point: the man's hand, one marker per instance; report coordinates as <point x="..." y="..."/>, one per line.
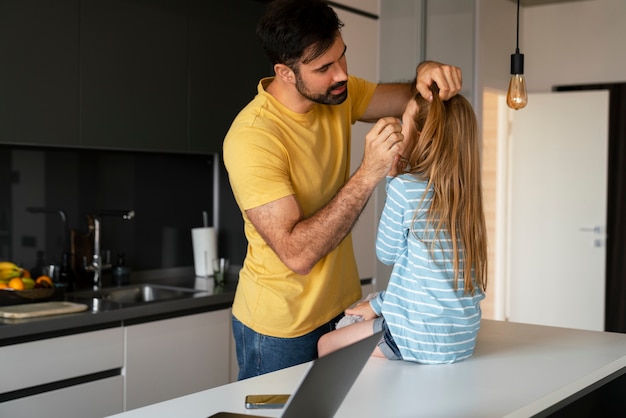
<point x="448" y="78"/>
<point x="299" y="241"/>
<point x="362" y="309"/>
<point x="383" y="143"/>
<point x="400" y="165"/>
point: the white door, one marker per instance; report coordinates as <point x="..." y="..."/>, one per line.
<point x="557" y="194"/>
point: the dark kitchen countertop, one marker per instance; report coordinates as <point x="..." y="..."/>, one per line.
<point x="105" y="315"/>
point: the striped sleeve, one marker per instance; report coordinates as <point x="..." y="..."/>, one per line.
<point x="391" y="239"/>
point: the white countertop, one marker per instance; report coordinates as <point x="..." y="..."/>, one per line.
<point x="517" y="370"/>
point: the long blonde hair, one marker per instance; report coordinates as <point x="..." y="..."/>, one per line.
<point x="447" y="155"/>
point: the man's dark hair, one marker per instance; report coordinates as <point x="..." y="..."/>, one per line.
<point x="289" y="27"/>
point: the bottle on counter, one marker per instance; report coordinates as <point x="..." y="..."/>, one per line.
<point x="66" y="274"/>
<point x="40" y="262"/>
<point x="121" y="272"/>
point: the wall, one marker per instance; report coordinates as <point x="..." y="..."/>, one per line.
<point x="566" y="43"/>
<point x="450" y="37"/>
<point x="401" y="39"/>
<point x="360" y="34"/>
<point x="401" y="50"/>
<point x="495" y="42"/>
<point x="577" y="42"/>
<point x="574" y="43"/>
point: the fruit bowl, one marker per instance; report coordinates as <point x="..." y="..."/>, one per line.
<point x="13" y="297"/>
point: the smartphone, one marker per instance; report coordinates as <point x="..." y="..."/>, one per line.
<point x="274" y="401"/>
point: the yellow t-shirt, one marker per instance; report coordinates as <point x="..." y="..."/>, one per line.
<point x="271" y="152"/>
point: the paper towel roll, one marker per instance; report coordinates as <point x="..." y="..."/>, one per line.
<point x="204" y="250"/>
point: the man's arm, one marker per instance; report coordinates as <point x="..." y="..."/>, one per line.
<point x="388" y="100"/>
<point x="301" y="242"/>
<point x="391" y="99"/>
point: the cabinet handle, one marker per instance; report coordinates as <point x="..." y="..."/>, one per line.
<point x="594" y="229"/>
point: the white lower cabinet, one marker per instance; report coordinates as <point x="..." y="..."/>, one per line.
<point x="70" y="376"/>
<point x="175" y="357"/>
<point x="105" y="372"/>
<point x="96" y="399"/>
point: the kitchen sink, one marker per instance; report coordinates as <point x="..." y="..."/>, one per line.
<point x="142" y="293"/>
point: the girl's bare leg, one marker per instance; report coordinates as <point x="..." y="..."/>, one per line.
<point x="345" y="336"/>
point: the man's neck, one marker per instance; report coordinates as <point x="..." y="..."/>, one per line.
<point x="288" y="96"/>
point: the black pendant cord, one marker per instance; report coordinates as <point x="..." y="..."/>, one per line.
<point x="517" y="59"/>
<point x="517" y="39"/>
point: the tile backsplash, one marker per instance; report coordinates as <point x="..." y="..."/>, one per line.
<point x="48" y="194"/>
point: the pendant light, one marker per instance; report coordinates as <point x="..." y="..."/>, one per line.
<point x="516" y="97"/>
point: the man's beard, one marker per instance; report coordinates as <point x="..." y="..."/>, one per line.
<point x="328" y="98"/>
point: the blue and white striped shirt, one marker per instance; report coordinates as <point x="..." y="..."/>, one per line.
<point x="430" y="321"/>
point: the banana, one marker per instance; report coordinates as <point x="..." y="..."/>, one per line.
<point x="8" y="274"/>
<point x="7" y="265"/>
<point x="9" y="270"/>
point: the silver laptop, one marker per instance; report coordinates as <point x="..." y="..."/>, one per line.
<point x="325" y="384"/>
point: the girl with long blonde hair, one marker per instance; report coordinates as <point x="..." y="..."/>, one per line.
<point x="432" y="230"/>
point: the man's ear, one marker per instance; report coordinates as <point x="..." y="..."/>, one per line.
<point x="285" y="73"/>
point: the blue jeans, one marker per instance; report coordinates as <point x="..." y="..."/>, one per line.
<point x="387" y="345"/>
<point x="259" y="354"/>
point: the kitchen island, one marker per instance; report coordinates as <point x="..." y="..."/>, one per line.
<point x="518" y="370"/>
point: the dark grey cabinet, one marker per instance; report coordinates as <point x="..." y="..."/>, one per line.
<point x="225" y="65"/>
<point x="133" y="74"/>
<point x="154" y="75"/>
<point x="39" y="66"/>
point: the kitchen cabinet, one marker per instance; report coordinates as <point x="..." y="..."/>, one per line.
<point x="104" y="372"/>
<point x="51" y="360"/>
<point x="76" y="375"/>
<point x="39" y="72"/>
<point x="226" y="62"/>
<point x="94" y="399"/>
<point x="133" y="74"/>
<point x="177" y="356"/>
<point x="162" y="75"/>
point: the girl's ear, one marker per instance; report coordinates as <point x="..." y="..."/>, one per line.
<point x="284" y="73"/>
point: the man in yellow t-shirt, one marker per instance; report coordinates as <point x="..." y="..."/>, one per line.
<point x="288" y="158"/>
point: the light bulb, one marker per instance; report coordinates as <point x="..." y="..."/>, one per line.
<point x="516" y="97"/>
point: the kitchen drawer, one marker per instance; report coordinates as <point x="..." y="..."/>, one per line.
<point x="94" y="399"/>
<point x="54" y="359"/>
<point x="175" y="357"/>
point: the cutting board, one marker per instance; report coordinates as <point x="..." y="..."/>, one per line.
<point x="32" y="310"/>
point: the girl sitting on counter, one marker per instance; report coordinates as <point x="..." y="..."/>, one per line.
<point x="430" y="311"/>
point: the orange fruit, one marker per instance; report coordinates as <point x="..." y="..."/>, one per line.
<point x="3" y="285"/>
<point x="25" y="273"/>
<point x="44" y="280"/>
<point x="16" y="283"/>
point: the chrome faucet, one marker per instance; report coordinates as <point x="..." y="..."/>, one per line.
<point x="98" y="265"/>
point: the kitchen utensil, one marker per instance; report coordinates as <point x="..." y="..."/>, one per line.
<point x="220" y="268"/>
